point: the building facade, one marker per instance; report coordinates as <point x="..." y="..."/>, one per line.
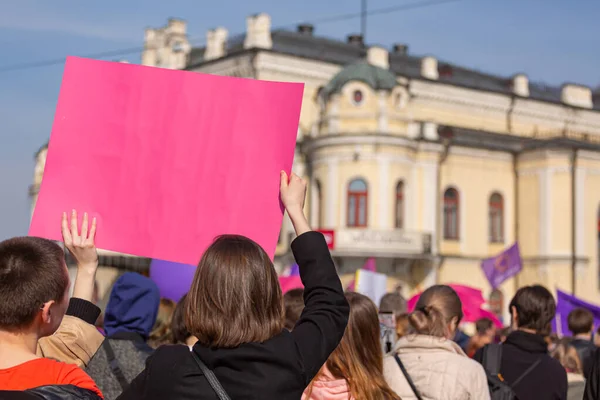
<point x="427" y="166"/>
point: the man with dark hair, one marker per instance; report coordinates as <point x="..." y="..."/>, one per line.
<point x="581" y="325"/>
<point x="485" y="333"/>
<point x="525" y="363"/>
<point x="293" y="302"/>
<point x="34" y="288"/>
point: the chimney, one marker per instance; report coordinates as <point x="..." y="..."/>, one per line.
<point x="356" y="40"/>
<point x="216" y="40"/>
<point x="401" y="49"/>
<point x="258" y="32"/>
<point x="429" y="68"/>
<point x="177" y="26"/>
<point x="520" y="85"/>
<point x="379" y="57"/>
<point x="577" y="95"/>
<point x="306" y="29"/>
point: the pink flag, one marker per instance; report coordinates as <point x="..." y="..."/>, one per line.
<point x="370" y="265"/>
<point x="167" y="160"/>
<point x="472" y="300"/>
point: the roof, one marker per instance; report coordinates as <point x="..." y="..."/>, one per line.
<point x="377" y="78"/>
<point x="339" y="52"/>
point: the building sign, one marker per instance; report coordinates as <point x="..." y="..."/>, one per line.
<point x="391" y="243"/>
<point x="329" y="238"/>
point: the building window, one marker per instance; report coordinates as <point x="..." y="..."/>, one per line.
<point x="357" y="203"/>
<point x="400" y="205"/>
<point x="496" y="218"/>
<point x="451" y="214"/>
<point x="357" y="97"/>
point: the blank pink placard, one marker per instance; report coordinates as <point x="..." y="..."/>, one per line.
<point x="167" y="160"/>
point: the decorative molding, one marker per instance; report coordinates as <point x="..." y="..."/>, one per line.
<point x="430" y="199"/>
<point x="388" y="157"/>
<point x="368" y="139"/>
<point x="301" y="68"/>
<point x="480" y="153"/>
<point x="382" y="120"/>
<point x="411" y="196"/>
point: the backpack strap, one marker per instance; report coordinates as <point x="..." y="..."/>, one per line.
<point x="115" y="367"/>
<point x="407" y="376"/>
<point x="492" y="358"/>
<point x="211" y="378"/>
<point x="527" y="371"/>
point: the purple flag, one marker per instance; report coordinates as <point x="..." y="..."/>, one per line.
<point x="565" y="303"/>
<point x="295" y="270"/>
<point x="503" y="266"/>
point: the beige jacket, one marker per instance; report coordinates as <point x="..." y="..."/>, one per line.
<point x="439" y="369"/>
<point x="74" y="342"/>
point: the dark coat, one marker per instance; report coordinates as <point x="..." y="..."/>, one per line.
<point x="592" y="384"/>
<point x="51" y="392"/>
<point x="585" y="349"/>
<point x="281" y="367"/>
<point x="548" y="381"/>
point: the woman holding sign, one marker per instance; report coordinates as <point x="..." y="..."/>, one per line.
<point x="235" y="309"/>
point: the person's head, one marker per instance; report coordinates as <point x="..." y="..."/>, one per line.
<point x="293" y="301"/>
<point x="132" y="305"/>
<point x="568" y="357"/>
<point x="359" y="358"/>
<point x="402" y="325"/>
<point x="485" y="330"/>
<point x="34" y="285"/>
<point x="235" y="297"/>
<point x="393" y="303"/>
<point x="179" y="332"/>
<point x="161" y="332"/>
<point x="581" y="321"/>
<point x="532" y="308"/>
<point x="437" y="312"/>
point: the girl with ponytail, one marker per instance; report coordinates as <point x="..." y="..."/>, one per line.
<point x="354" y="371"/>
<point x="426" y="364"/>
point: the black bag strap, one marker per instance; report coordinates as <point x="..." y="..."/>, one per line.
<point x="492" y="358"/>
<point x="527" y="371"/>
<point x="115" y="367"/>
<point x="211" y="378"/>
<point x="408" y="378"/>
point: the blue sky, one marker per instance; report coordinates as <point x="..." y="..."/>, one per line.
<point x="552" y="41"/>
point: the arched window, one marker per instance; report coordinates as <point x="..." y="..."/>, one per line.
<point x="357" y="203"/>
<point x="451" y="202"/>
<point x="496" y="218"/>
<point x="400" y="205"/>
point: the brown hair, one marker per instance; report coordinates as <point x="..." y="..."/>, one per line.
<point x="32" y="272"/>
<point x="535" y="308"/>
<point x="293" y="302"/>
<point x="235" y="296"/>
<point x="568" y="357"/>
<point x="580" y="321"/>
<point x="482" y="325"/>
<point x="161" y="332"/>
<point x="179" y="332"/>
<point x="402" y="325"/>
<point x="435" y="310"/>
<point x="358" y="358"/>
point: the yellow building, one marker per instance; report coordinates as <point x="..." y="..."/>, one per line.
<point x="425" y="165"/>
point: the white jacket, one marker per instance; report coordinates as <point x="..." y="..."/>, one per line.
<point x="439" y="369"/>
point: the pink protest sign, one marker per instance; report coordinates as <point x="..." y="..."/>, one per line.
<point x="167" y="160"/>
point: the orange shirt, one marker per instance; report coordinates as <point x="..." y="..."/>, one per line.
<point x="42" y="372"/>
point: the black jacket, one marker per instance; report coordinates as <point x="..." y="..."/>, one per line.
<point x="548" y="381"/>
<point x="592" y="383"/>
<point x="51" y="392"/>
<point x="585" y="349"/>
<point x="277" y="369"/>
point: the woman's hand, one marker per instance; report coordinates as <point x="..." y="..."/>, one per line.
<point x="293" y="195"/>
<point x="82" y="248"/>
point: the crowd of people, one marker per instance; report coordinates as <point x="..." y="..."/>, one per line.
<point x="234" y="335"/>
